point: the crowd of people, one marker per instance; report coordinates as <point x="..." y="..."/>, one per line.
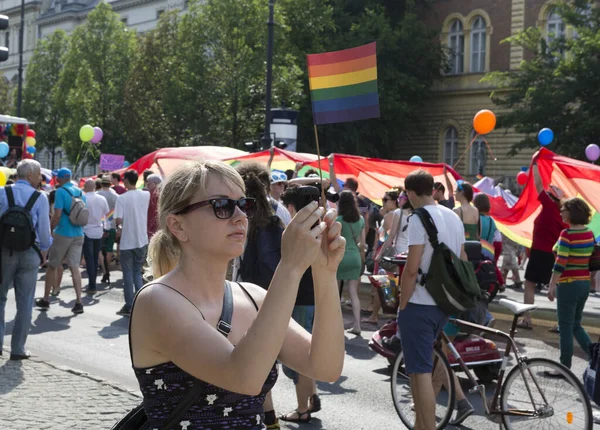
<point x="212" y="236"/>
<point x="103" y="225"/>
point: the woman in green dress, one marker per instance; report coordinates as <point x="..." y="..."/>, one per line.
<point x="349" y="270"/>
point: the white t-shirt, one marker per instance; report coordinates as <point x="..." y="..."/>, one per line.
<point x="450" y="231"/>
<point x="401" y="244"/>
<point x="98" y="209"/>
<point x="132" y="207"/>
<point x="282" y="212"/>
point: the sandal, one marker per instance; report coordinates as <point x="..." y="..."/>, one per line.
<point x="525" y="325"/>
<point x="55" y="292"/>
<point x="353" y="331"/>
<point x="314" y="404"/>
<point x="369" y="321"/>
<point x="301" y="417"/>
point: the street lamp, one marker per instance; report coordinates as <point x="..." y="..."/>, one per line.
<point x="266" y="138"/>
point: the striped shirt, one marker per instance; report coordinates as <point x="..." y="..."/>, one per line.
<point x="573" y="251"/>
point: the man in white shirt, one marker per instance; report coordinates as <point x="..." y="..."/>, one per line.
<point x="131" y="213"/>
<point x="93" y="231"/>
<point x="420" y="320"/>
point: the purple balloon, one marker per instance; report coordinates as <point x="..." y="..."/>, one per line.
<point x="98" y="134"/>
<point x="592" y="152"/>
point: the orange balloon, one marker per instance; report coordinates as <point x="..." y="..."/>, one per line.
<point x="484" y="121"/>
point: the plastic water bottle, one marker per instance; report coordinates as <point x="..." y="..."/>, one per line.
<point x="381" y="271"/>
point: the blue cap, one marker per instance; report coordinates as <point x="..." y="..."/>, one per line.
<point x="63" y="173"/>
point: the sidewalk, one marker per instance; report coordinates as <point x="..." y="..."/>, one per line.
<point x="38" y="395"/>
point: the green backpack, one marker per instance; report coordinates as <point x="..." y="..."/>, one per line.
<point x="450" y="281"/>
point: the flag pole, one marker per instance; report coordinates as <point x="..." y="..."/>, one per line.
<point x="323" y="198"/>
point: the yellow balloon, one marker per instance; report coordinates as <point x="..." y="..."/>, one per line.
<point x="86" y="133"/>
<point x="30" y="141"/>
<point x="2" y="179"/>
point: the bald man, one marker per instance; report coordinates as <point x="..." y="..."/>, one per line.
<point x="93" y="231"/>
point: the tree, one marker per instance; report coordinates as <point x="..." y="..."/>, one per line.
<point x="558" y="87"/>
<point x="5" y="95"/>
<point x="40" y="103"/>
<point x="155" y="104"/>
<point x="409" y="60"/>
<point x="92" y="83"/>
<point x="235" y="38"/>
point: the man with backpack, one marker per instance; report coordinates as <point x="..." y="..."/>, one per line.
<point x="70" y="215"/>
<point x="420" y="317"/>
<point x="25" y="237"/>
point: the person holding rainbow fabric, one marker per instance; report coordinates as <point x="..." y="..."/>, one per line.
<point x="570" y="282"/>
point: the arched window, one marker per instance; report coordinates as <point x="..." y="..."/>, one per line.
<point x="456" y="43"/>
<point x="478" y="45"/>
<point x="478" y="156"/>
<point x="555" y="28"/>
<point x="450" y="146"/>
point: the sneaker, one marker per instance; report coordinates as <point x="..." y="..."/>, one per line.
<point x="77" y="309"/>
<point x="463" y="411"/>
<point x="42" y="304"/>
<point x="124" y="311"/>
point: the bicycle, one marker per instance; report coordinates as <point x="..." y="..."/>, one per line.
<point x="515" y="405"/>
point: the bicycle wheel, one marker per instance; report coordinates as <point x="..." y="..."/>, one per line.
<point x="566" y="404"/>
<point x="443" y="386"/>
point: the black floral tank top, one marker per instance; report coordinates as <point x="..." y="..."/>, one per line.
<point x="164" y="386"/>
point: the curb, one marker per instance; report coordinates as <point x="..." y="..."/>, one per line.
<point x="82" y="374"/>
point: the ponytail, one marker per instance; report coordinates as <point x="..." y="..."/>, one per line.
<point x="163" y="254"/>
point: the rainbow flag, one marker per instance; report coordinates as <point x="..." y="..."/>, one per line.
<point x="110" y="216"/>
<point x="343" y="85"/>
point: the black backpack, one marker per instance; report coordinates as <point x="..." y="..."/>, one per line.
<point x="17" y="232"/>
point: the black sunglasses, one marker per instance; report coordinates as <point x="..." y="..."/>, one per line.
<point x="224" y="208"/>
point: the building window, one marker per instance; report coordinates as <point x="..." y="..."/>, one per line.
<point x="159" y="13"/>
<point x="555" y="28"/>
<point x="478" y="155"/>
<point x="456" y="43"/>
<point x="124" y="21"/>
<point x="478" y="45"/>
<point x="450" y="146"/>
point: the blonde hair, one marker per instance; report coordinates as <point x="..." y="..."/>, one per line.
<point x="175" y="194"/>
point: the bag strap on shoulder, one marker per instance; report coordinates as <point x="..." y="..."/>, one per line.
<point x="224" y="327"/>
<point x="429" y="225"/>
<point x="36" y="194"/>
<point x="10" y="196"/>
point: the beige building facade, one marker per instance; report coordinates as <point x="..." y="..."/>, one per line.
<point x="473" y="30"/>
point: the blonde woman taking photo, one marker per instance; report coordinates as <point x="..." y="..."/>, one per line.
<point x="203" y="220"/>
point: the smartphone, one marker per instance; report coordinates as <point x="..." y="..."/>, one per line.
<point x="307" y="194"/>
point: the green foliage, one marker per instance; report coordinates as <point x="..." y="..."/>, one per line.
<point x="199" y="77"/>
<point x="5" y="96"/>
<point x="92" y="83"/>
<point x="40" y="89"/>
<point x="557" y="88"/>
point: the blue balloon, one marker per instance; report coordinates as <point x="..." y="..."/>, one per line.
<point x="4" y="149"/>
<point x="126" y="164"/>
<point x="545" y="136"/>
<point x="31" y="149"/>
<point x="416" y="159"/>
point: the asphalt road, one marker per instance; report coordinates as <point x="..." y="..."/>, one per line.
<point x="96" y="342"/>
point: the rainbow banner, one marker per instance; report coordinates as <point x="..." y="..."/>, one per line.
<point x="343" y="85"/>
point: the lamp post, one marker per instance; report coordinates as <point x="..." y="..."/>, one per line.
<point x="266" y="138"/>
<point x="21" y="37"/>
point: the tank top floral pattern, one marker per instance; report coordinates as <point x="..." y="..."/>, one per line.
<point x="164" y="386"/>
